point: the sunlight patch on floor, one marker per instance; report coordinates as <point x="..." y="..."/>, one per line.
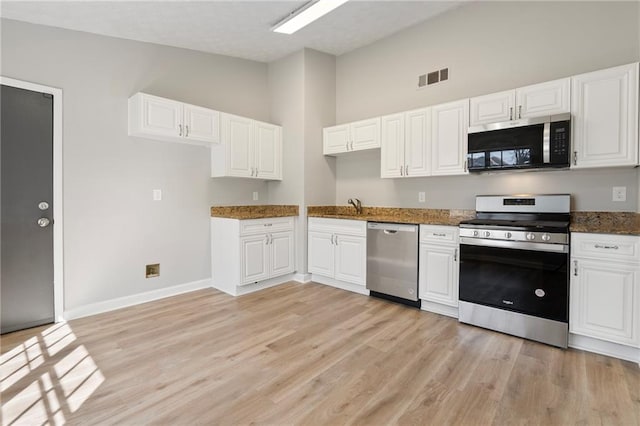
<point x="37" y="393"/>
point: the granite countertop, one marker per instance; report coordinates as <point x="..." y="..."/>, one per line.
<point x="393" y="214"/>
<point x="254" y="212"/>
<point x="623" y="223"/>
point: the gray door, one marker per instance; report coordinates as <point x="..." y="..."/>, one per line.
<point x="26" y="142"/>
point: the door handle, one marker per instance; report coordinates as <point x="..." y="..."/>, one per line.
<point x="43" y="222"/>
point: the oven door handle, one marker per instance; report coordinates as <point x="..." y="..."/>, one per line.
<point x="518" y="245"/>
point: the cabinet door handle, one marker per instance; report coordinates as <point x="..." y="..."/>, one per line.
<point x="331" y="239"/>
<point x="257" y="172"/>
<point x="401" y="170"/>
<point x="336" y="240"/>
<point x="266" y="242"/>
<point x="466" y="167"/>
<point x="437" y="234"/>
<point x="575" y="158"/>
<point x="606" y="247"/>
<point x="519" y="111"/>
<point x="455" y="255"/>
<point x="406" y="170"/>
<point x="510" y="113"/>
<point x="179" y="129"/>
<point x="575" y="268"/>
<point x="186" y="131"/>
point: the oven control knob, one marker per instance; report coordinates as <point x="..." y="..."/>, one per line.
<point x="546" y="237"/>
<point x="475" y="233"/>
<point x="530" y="236"/>
<point x="487" y="233"/>
<point x="508" y="235"/>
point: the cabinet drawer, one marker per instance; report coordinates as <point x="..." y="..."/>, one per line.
<point x="338" y="226"/>
<point x="260" y="226"/>
<point x="623" y="248"/>
<point x="439" y="234"/>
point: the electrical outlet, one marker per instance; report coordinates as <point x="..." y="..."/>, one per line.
<point x="255" y="196"/>
<point x="152" y="270"/>
<point x="421" y="197"/>
<point x="157" y="195"/>
<point x="619" y="193"/>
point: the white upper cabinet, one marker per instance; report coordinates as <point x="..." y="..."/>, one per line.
<point x="493" y="108"/>
<point x="248" y="148"/>
<point x="158" y="118"/>
<point x="268" y="151"/>
<point x="449" y="125"/>
<point x="356" y="136"/>
<point x="549" y="98"/>
<point x="405" y="144"/>
<point x="201" y="124"/>
<point x="605" y="117"/>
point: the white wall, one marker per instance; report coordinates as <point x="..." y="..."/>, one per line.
<point x="488" y="47"/>
<point x="112" y="226"/>
<point x="302" y="87"/>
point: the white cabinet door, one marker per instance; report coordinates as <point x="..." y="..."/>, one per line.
<point x="336" y="139"/>
<point x="365" y="134"/>
<point x="161" y="117"/>
<point x="320" y="253"/>
<point x="201" y="124"/>
<point x="438" y="274"/>
<point x="282" y="253"/>
<point x="417" y="145"/>
<point x="493" y="108"/>
<point x="449" y="125"/>
<point x="237" y="134"/>
<point x="605" y="301"/>
<point x="350" y="259"/>
<point x="254" y="259"/>
<point x="268" y="151"/>
<point x="549" y="98"/>
<point x="604" y="105"/>
<point x="392" y="145"/>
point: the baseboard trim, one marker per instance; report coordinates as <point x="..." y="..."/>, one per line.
<point x="602" y="347"/>
<point x="439" y="308"/>
<point x="302" y="278"/>
<point x="272" y="282"/>
<point x="135" y="299"/>
<point x="339" y="284"/>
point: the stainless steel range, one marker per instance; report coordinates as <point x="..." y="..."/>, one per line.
<point x="514" y="274"/>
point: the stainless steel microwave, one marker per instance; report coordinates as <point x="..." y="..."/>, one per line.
<point x="531" y="143"/>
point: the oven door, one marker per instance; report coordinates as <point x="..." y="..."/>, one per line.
<point x="529" y="278"/>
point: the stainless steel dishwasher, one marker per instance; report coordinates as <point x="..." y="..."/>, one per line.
<point x="392" y="262"/>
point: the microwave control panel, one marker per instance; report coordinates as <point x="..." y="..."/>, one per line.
<point x="560" y="142"/>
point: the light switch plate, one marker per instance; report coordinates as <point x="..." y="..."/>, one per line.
<point x="421" y="197"/>
<point x="255" y="196"/>
<point x="619" y="193"/>
<point x="157" y="195"/>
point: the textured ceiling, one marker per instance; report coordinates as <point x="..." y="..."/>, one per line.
<point x="233" y="28"/>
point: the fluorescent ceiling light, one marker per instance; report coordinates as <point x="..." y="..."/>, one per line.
<point x="305" y="15"/>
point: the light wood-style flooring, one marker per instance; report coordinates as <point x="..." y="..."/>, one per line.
<point x="303" y="354"/>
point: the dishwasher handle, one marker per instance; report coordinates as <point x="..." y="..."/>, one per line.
<point x="390" y="231"/>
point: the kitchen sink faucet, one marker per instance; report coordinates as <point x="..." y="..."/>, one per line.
<point x="356" y="204"/>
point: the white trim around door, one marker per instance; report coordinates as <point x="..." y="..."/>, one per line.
<point x="58" y="246"/>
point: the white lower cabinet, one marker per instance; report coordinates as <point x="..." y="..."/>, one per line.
<point x="337" y="251"/>
<point x="605" y="294"/>
<point x="255" y="253"/>
<point x="438" y="269"/>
